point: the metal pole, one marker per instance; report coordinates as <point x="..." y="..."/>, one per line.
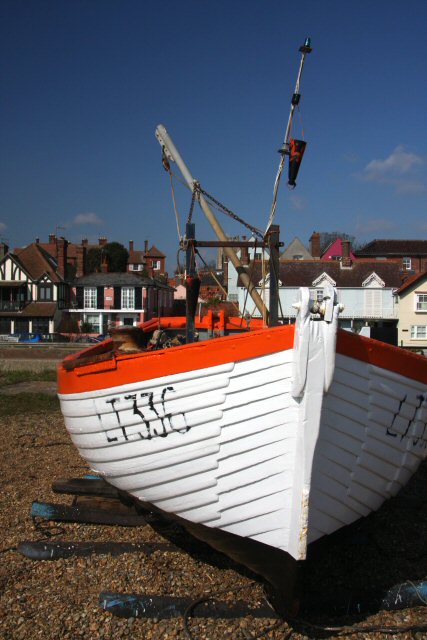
<point x="284" y="150"/>
<point x="305" y="48"/>
<point x="173" y="154"/>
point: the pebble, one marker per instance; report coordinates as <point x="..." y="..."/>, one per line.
<point x="59" y="599"/>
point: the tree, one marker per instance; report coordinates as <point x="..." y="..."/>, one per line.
<point x="117" y="256"/>
<point x="115" y="253"/>
<point x="328" y="237"/>
<point x="93" y="260"/>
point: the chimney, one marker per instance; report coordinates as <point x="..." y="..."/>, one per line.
<point x="130" y="245"/>
<point x="37" y="240"/>
<point x="244" y="254"/>
<point x="85" y="242"/>
<point x="315" y="245"/>
<point x="104" y="265"/>
<point x="61" y="256"/>
<point x="102" y="242"/>
<point x="80" y="260"/>
<point x="345" y="252"/>
<point x="146" y="246"/>
<point x="4" y="249"/>
<point x="52" y="238"/>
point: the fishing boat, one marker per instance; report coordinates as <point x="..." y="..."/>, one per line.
<point x="260" y="440"/>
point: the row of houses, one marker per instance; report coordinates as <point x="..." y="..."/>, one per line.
<point x="383" y="287"/>
<point x="44" y="289"/>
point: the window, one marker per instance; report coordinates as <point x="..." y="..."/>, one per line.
<point x="373" y="303"/>
<point x="421" y="302"/>
<point x="93" y="320"/>
<point x="41" y="325"/>
<point x="316" y="295"/>
<point x="128" y="298"/>
<point x="406" y="263"/>
<point x="418" y="331"/>
<point x="136" y="267"/>
<point x="297" y="256"/>
<point x="45" y="292"/>
<point x="90" y="297"/>
<point x="155" y="264"/>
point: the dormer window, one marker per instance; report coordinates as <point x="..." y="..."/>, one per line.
<point x="406" y="263"/>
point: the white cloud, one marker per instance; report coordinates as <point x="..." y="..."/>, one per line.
<point x="87" y="218"/>
<point x="398" y="162"/>
<point x="398" y="170"/>
<point x="3" y="226"/>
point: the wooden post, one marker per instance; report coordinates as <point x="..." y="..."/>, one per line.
<point x="273" y="244"/>
<point x="190" y="272"/>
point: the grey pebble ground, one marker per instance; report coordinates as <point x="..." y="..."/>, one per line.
<point x="58" y="599"/>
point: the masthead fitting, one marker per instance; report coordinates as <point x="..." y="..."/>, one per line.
<point x="306" y="47"/>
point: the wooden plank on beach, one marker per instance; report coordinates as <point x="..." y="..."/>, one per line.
<point x="131" y="605"/>
<point x="86" y="515"/>
<point x="84" y="487"/>
<point x="40" y="550"/>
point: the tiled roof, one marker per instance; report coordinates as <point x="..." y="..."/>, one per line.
<point x="302" y="273"/>
<point x="155" y="253"/>
<point x="33" y="310"/>
<point x="118" y="279"/>
<point x="393" y="247"/>
<point x="36" y="262"/>
<point x="413" y="280"/>
<point x="39" y="309"/>
<point x="136" y="257"/>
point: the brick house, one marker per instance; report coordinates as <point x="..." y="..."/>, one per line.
<point x="410" y="255"/>
<point x="33" y="289"/>
<point x="151" y="260"/>
<point x="106" y="300"/>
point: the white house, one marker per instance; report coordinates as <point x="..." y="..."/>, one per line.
<point x="412" y="298"/>
<point x="365" y="289"/>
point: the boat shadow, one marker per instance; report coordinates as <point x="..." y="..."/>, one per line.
<point x="351" y="572"/>
<point x="356" y="570"/>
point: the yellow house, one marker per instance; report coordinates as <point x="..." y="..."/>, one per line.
<point x="412" y="324"/>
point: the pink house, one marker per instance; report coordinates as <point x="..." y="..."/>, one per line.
<point x="338" y="250"/>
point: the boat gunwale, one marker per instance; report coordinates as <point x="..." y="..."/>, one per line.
<point x="126" y="368"/>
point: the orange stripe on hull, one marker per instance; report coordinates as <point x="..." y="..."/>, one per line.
<point x="382" y="355"/>
<point x="126" y="369"/>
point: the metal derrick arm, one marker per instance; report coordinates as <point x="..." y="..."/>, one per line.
<point x="173" y="154"/>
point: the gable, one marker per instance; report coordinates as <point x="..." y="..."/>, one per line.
<point x="374" y="281"/>
<point x="296" y="251"/>
<point x="11" y="270"/>
<point x="323" y="280"/>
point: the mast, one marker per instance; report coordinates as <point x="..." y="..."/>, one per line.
<point x="173" y="154"/>
<point x="284" y="150"/>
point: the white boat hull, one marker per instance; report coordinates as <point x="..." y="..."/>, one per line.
<point x="231" y="447"/>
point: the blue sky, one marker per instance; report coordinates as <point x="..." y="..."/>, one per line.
<point x="85" y="82"/>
